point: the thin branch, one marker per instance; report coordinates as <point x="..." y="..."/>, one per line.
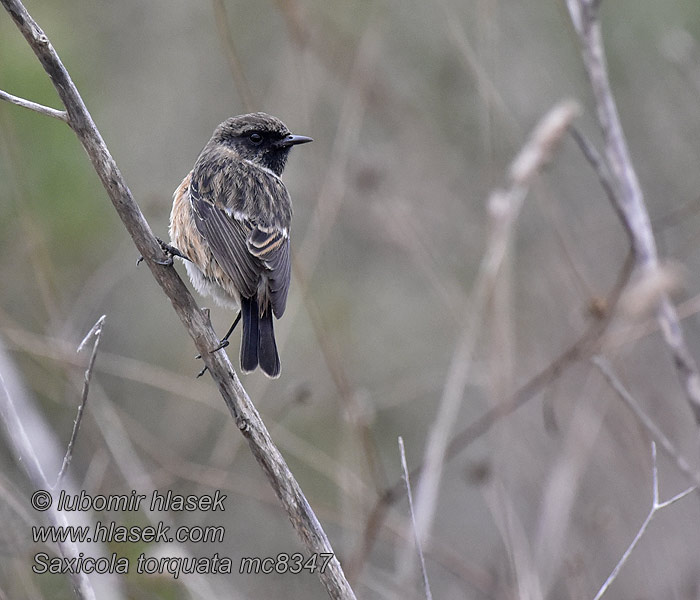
<point x="195" y="320"/>
<point x="96" y="331"/>
<point x="596" y="161"/>
<point x="629" y="200"/>
<point x="655" y="506"/>
<point x="652" y="428"/>
<point x="419" y="547"/>
<point x="61" y="115"/>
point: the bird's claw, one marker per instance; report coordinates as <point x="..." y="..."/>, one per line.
<point x="171" y="251"/>
<point x="222" y="344"/>
<point x="168" y="250"/>
<point x="165" y="262"/>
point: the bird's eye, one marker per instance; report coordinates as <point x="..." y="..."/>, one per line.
<point x="256" y="138"/>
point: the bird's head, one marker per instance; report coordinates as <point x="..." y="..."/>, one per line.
<point x="259" y="138"/>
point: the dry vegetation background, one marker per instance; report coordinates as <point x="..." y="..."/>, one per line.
<point x="416" y="109"/>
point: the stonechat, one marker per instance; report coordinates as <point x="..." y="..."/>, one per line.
<point x="230" y="222"/>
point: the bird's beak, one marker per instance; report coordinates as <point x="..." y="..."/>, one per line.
<point x="293" y="140"/>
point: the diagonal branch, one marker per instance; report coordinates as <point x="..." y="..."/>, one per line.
<point x="629" y="198"/>
<point x="196" y="321"/>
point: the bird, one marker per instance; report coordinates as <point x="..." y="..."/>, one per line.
<point x="230" y="222"/>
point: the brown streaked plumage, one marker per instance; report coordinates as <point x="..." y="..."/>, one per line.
<point x="230" y="219"/>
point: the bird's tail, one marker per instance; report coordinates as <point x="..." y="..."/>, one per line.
<point x="258" y="345"/>
<point x="249" y="339"/>
<point x="267" y="348"/>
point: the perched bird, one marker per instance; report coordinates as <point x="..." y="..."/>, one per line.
<point x="230" y="222"/>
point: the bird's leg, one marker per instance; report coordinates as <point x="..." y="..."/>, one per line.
<point x="222" y="344"/>
<point x="224" y="340"/>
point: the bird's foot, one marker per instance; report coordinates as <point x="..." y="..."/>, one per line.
<point x="169" y="251"/>
<point x="221" y="345"/>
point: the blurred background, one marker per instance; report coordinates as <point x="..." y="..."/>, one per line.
<point x="416" y="110"/>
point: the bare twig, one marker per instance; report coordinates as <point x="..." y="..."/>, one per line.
<point x="61" y="115"/>
<point x="596" y="161"/>
<point x="419" y="547"/>
<point x="195" y="320"/>
<point x="655" y="506"/>
<point x="504" y="206"/>
<point x="95" y="332"/>
<point x="629" y="200"/>
<point x="652" y="428"/>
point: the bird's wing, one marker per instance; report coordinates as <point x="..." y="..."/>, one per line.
<point x="271" y="246"/>
<point x="245" y="250"/>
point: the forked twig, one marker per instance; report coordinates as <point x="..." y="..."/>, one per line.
<point x="655" y="506"/>
<point x="95" y="332"/>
